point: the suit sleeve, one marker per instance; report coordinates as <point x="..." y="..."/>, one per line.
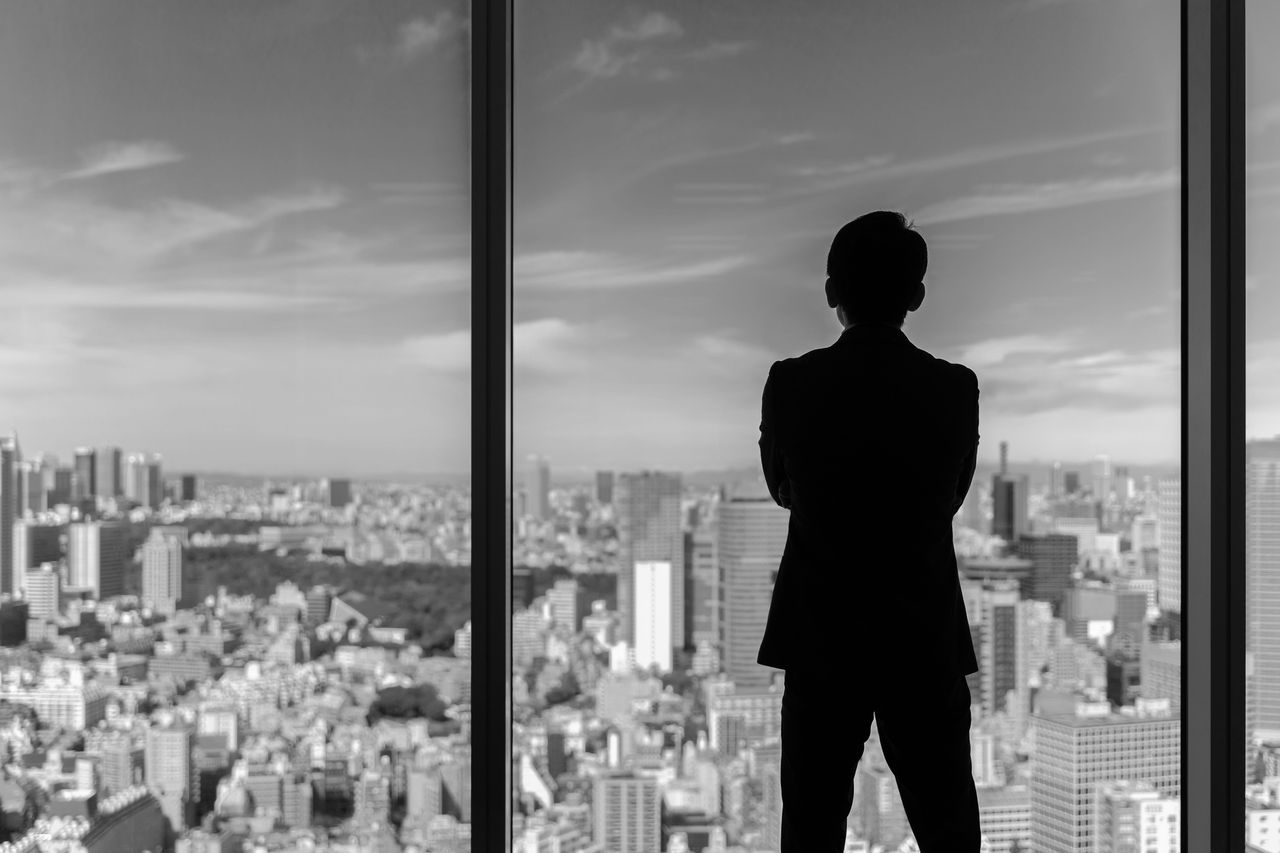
<point x="970" y="425"/>
<point x="771" y="461"/>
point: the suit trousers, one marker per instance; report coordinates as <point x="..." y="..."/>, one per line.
<point x="924" y="733"/>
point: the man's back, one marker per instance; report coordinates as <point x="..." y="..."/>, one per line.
<point x="870" y="442"/>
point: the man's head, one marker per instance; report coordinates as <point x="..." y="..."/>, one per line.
<point x="875" y="269"/>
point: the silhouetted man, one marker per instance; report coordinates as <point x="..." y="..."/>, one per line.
<point x="871" y="443"/>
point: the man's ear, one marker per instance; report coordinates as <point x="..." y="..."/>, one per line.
<point x="917" y="298"/>
<point x="831" y="294"/>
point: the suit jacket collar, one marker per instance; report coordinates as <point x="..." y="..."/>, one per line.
<point x="878" y="334"/>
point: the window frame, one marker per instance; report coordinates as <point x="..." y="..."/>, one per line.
<point x="1212" y="443"/>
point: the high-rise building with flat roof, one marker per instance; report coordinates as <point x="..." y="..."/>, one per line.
<point x="604" y="487"/>
<point x="187" y="489"/>
<point x="1169" y="535"/>
<point x="537" y="486"/>
<point x="1053" y="559"/>
<point x="84" y="485"/>
<point x="107" y="472"/>
<point x="34" y="545"/>
<point x="162" y="572"/>
<point x="627" y="812"/>
<point x="10" y="458"/>
<point x="96" y="557"/>
<point x="1077" y="753"/>
<point x="169" y="772"/>
<point x="752" y="533"/>
<point x="702" y="592"/>
<point x="1262" y="598"/>
<point x="996" y="622"/>
<point x="647" y="505"/>
<point x="1133" y="817"/>
<point x="42" y="588"/>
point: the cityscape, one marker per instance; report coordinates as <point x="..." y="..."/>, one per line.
<point x="196" y="663"/>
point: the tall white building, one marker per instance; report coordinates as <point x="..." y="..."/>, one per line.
<point x="567" y="603"/>
<point x="998" y="620"/>
<point x="653" y="643"/>
<point x="1134" y="818"/>
<point x="95" y="557"/>
<point x="1262" y="598"/>
<point x="752" y="533"/>
<point x="169" y="774"/>
<point x="647" y="512"/>
<point x="1076" y="753"/>
<point x="42" y="588"/>
<point x="627" y="814"/>
<point x="1169" y="561"/>
<point x="162" y="572"/>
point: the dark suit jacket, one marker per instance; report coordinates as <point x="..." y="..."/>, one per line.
<point x="871" y="443"/>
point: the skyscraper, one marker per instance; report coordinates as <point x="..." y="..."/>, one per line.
<point x="1262" y="601"/>
<point x="162" y="572"/>
<point x="144" y="479"/>
<point x="1169" y="561"/>
<point x="41" y="587"/>
<point x="188" y="493"/>
<point x="1133" y="816"/>
<point x="1008" y="500"/>
<point x="654" y="639"/>
<point x="95" y="558"/>
<point x="1077" y="753"/>
<point x="604" y="487"/>
<point x="702" y="599"/>
<point x="84" y="484"/>
<point x="568" y="603"/>
<point x="1103" y="477"/>
<point x="337" y="492"/>
<point x="169" y="772"/>
<point x="106" y="472"/>
<point x="627" y="813"/>
<point x="538" y="486"/>
<point x="34" y="545"/>
<point x="1053" y="559"/>
<point x="752" y="535"/>
<point x="10" y="456"/>
<point x="647" y="507"/>
<point x="996" y="618"/>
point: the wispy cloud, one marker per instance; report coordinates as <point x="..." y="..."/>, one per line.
<point x="885" y="167"/>
<point x="577" y="270"/>
<point x="547" y="345"/>
<point x="419" y="36"/>
<point x="623" y="47"/>
<point x="997" y="350"/>
<point x="715" y="50"/>
<point x="1004" y="199"/>
<point x="114" y="157"/>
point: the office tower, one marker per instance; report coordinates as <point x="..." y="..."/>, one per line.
<point x="162" y="572"/>
<point x="63" y="486"/>
<point x="107" y="472"/>
<point x="95" y="557"/>
<point x="537" y="485"/>
<point x="13" y="622"/>
<point x="1005" y="817"/>
<point x="703" y="605"/>
<point x="169" y="772"/>
<point x="1160" y="671"/>
<point x="33" y="495"/>
<point x="1071" y="482"/>
<point x="647" y="508"/>
<point x="1169" y="522"/>
<point x="1262" y="598"/>
<point x="188" y="488"/>
<point x="1055" y="480"/>
<point x="1134" y="818"/>
<point x="1103" y="478"/>
<point x="1009" y="500"/>
<point x="1124" y="671"/>
<point x="84" y="484"/>
<point x="424" y="794"/>
<point x="751" y="537"/>
<point x="627" y="813"/>
<point x="34" y="545"/>
<point x="654" y="637"/>
<point x="144" y="479"/>
<point x="568" y="603"/>
<point x="155" y="482"/>
<point x="41" y="588"/>
<point x="1053" y="559"/>
<point x="10" y="456"/>
<point x="337" y="493"/>
<point x="604" y="487"/>
<point x="996" y="619"/>
<point x="1076" y="753"/>
<point x="372" y="799"/>
<point x="455" y="782"/>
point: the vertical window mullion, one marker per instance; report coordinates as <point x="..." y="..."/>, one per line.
<point x="491" y="364"/>
<point x="1213" y="433"/>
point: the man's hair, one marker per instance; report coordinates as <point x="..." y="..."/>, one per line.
<point x="876" y="263"/>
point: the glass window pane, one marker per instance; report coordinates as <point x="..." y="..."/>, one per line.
<point x="680" y="174"/>
<point x="1262" y="424"/>
<point x="235" y="384"/>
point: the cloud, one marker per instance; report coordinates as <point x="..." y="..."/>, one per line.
<point x="1004" y="199"/>
<point x="113" y="157"/>
<point x="576" y="270"/>
<point x="623" y="48"/>
<point x="884" y="167"/>
<point x="544" y="346"/>
<point x="419" y="36"/>
<point x="996" y="350"/>
<point x="715" y="50"/>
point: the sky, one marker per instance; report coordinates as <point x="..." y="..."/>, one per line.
<point x="236" y="233"/>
